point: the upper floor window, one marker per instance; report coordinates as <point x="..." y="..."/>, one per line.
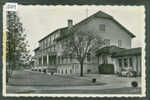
<point x="107" y="42"/>
<point x="102" y="27"/>
<point x="54" y="48"/>
<point x="119" y="43"/>
<point x="50" y="40"/>
<point x="40" y="45"/>
<point x="43" y="44"/>
<point x="46" y="43"/>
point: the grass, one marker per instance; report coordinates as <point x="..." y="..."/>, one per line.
<point x="32" y="82"/>
<point x="26" y="78"/>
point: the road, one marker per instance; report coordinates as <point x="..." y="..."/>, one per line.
<point x="34" y="82"/>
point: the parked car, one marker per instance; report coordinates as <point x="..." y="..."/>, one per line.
<point x="128" y="73"/>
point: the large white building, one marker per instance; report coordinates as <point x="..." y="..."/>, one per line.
<point x="117" y="50"/>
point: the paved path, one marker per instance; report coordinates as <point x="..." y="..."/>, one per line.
<point x="33" y="82"/>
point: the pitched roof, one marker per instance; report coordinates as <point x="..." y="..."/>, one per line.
<point x="98" y="14"/>
<point x="109" y="50"/>
<point x="128" y="52"/>
<point x="60" y="29"/>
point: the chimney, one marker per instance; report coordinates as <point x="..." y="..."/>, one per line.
<point x="70" y="23"/>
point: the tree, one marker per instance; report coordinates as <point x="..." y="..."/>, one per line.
<point x="81" y="43"/>
<point x="16" y="44"/>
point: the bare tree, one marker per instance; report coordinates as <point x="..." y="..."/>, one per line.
<point x="79" y="44"/>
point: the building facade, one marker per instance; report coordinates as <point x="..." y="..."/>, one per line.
<point x="49" y="57"/>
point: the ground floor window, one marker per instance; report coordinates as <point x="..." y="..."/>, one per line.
<point x="58" y="71"/>
<point x="104" y="59"/>
<point x="40" y="61"/>
<point x="44" y="60"/>
<point x="120" y="62"/>
<point x="58" y="58"/>
<point x="130" y="62"/>
<point x="125" y="62"/>
<point x="70" y="71"/>
<point x="89" y="71"/>
<point x="88" y="57"/>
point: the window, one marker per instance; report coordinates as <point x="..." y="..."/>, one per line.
<point x="107" y="42"/>
<point x="130" y="62"/>
<point x="66" y="71"/>
<point x="104" y="58"/>
<point x="54" y="48"/>
<point x="50" y="40"/>
<point x="120" y="62"/>
<point x="70" y="71"/>
<point x="102" y="27"/>
<point x="47" y="42"/>
<point x="89" y="71"/>
<point x="54" y="60"/>
<point x="44" y="60"/>
<point x="88" y="57"/>
<point x="62" y="59"/>
<point x="50" y="60"/>
<point x="40" y="61"/>
<point x="70" y="58"/>
<point x="58" y="62"/>
<point x="125" y="62"/>
<point x="119" y="43"/>
<point x="62" y="71"/>
<point x="44" y="44"/>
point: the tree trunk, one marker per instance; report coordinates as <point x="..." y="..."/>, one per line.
<point x="81" y="66"/>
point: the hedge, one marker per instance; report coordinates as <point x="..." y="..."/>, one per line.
<point x="106" y="69"/>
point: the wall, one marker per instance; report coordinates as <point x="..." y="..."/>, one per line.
<point x="136" y="63"/>
<point x="75" y="68"/>
<point x="113" y="31"/>
<point x="110" y="61"/>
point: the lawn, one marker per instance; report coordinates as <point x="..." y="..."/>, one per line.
<point x="34" y="82"/>
<point x="27" y="78"/>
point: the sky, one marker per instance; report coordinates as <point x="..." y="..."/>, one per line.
<point x="40" y="21"/>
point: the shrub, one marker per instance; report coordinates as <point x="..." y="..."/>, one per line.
<point x="93" y="80"/>
<point x="106" y="69"/>
<point x="134" y="84"/>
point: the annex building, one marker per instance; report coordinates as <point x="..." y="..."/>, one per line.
<point x="116" y="52"/>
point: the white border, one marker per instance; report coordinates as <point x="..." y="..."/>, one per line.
<point x="143" y="82"/>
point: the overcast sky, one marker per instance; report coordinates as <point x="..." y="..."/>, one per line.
<point x="39" y="21"/>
